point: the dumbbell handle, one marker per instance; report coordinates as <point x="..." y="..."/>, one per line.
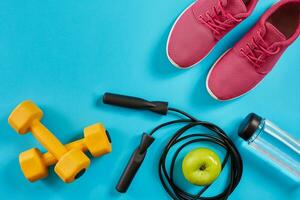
<point x="49" y="159"/>
<point x="47" y="139"/>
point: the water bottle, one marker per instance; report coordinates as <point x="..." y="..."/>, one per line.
<point x="272" y="144"/>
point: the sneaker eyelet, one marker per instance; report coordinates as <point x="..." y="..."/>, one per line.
<point x="207" y="14"/>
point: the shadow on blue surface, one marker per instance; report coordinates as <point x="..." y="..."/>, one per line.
<point x="160" y="64"/>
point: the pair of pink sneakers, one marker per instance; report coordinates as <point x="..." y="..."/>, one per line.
<point x="241" y="68"/>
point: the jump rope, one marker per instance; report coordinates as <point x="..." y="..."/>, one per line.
<point x="181" y="139"/>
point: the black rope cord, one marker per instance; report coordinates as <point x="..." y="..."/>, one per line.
<point x="218" y="137"/>
<point x="215" y="136"/>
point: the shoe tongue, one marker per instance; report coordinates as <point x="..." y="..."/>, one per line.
<point x="235" y="7"/>
<point x="273" y="35"/>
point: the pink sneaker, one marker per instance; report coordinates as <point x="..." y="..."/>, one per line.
<point x="241" y="68"/>
<point x="201" y="26"/>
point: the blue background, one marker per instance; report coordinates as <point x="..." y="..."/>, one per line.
<point x="64" y="55"/>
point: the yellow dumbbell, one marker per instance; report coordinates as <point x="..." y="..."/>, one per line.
<point x="71" y="163"/>
<point x="34" y="164"/>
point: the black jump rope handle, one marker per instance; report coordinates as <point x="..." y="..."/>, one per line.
<point x="134" y="163"/>
<point x="139" y="154"/>
<point x="159" y="107"/>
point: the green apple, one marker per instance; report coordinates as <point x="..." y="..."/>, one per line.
<point x="201" y="166"/>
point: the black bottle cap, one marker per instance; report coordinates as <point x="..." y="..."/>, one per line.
<point x="249" y="125"/>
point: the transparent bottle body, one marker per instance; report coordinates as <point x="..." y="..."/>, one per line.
<point x="278" y="148"/>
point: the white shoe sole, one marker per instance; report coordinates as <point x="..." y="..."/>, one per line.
<point x="167" y="47"/>
<point x="209" y="90"/>
<point x="208" y="76"/>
